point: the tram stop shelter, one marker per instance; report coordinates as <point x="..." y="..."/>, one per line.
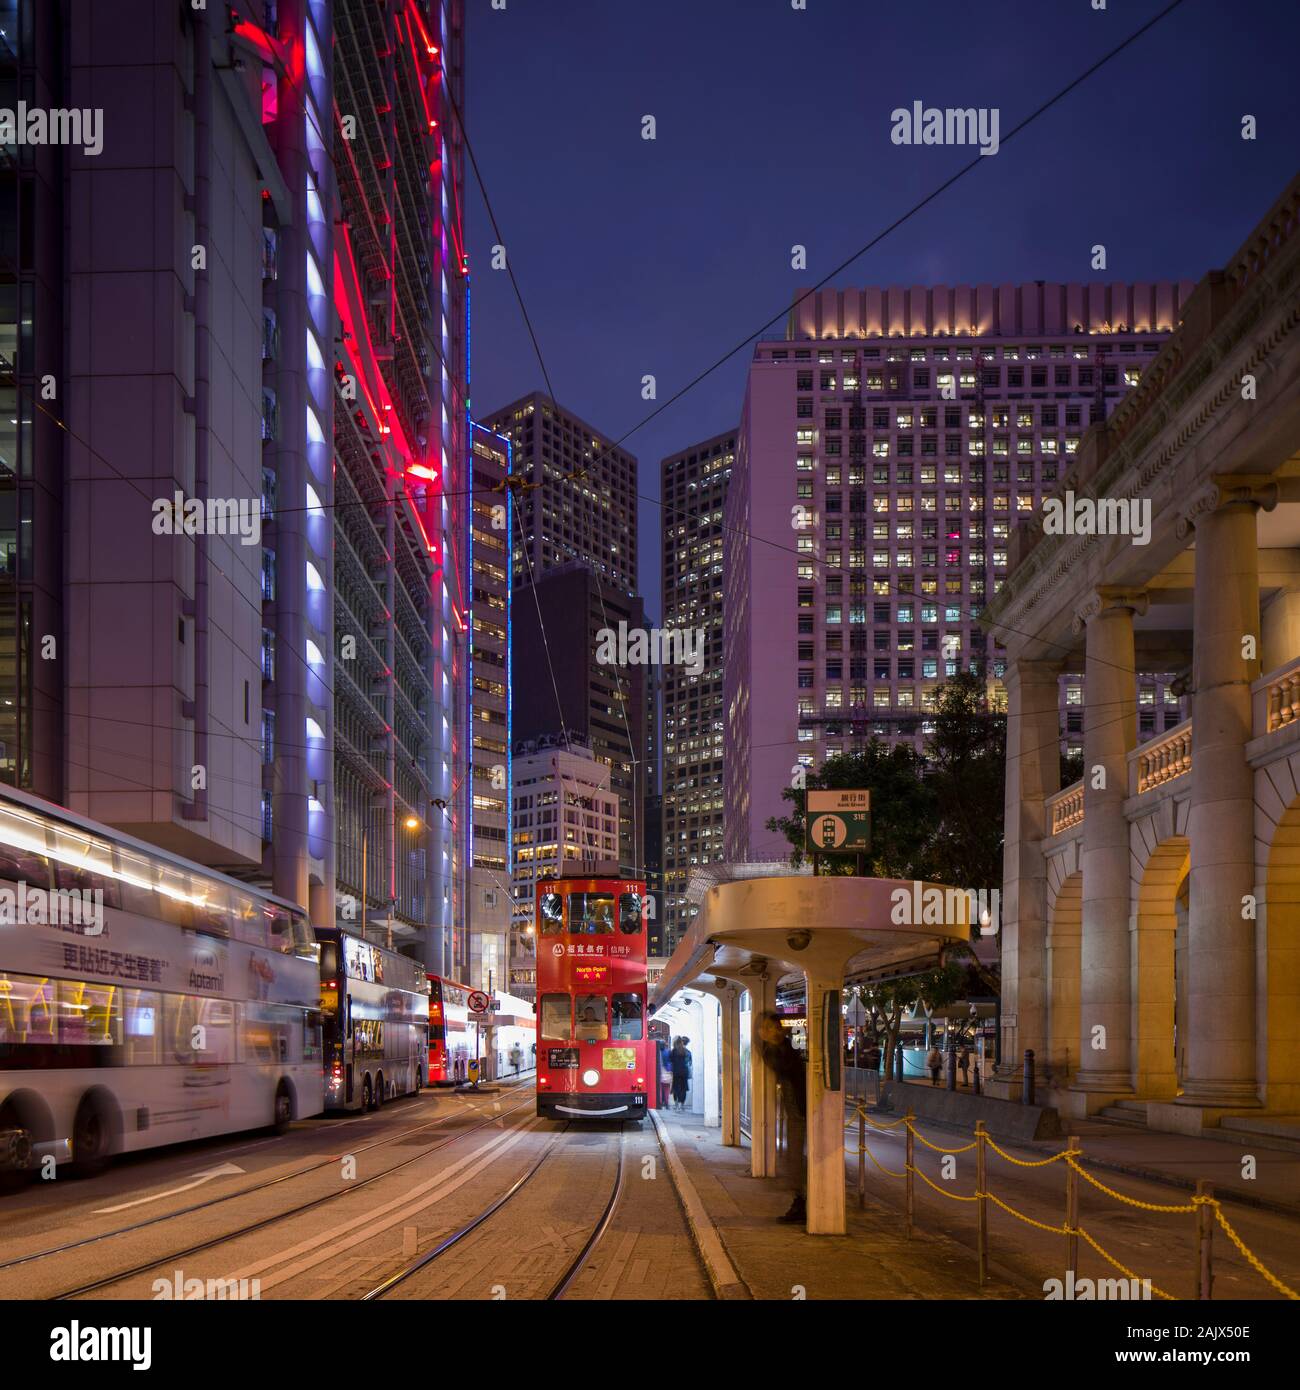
<point x="761" y="924"/>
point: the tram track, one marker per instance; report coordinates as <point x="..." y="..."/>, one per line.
<point x="574" y="1267"/>
<point x="251" y="1228"/>
<point x="209" y="1202"/>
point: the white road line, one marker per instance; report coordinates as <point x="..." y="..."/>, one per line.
<point x="401" y="1208"/>
<point x="225" y="1171"/>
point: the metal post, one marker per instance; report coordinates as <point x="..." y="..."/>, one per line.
<point x="950" y="1058"/>
<point x="1204" y="1242"/>
<point x="982" y="1206"/>
<point x="1027" y="1089"/>
<point x="1072" y="1210"/>
<point x="911" y="1180"/>
<point x="862" y="1157"/>
<point x="976" y="1060"/>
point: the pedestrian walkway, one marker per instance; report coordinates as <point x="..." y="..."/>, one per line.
<point x="1178" y="1160"/>
<point x="776" y="1261"/>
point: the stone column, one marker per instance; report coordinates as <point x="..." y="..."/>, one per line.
<point x="1109" y="733"/>
<point x="1033" y="774"/>
<point x="1221" y="942"/>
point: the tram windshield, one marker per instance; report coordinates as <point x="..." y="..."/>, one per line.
<point x="591" y="1017"/>
<point x="591" y="913"/>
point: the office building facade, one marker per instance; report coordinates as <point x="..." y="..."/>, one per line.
<point x="887" y="447"/>
<point x="694" y="492"/>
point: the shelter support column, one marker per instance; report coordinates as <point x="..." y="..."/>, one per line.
<point x="729" y="999"/>
<point x="1221" y="1040"/>
<point x="825" y="1121"/>
<point x="762" y="1109"/>
<point x="1109" y="733"/>
<point x="1033" y="774"/>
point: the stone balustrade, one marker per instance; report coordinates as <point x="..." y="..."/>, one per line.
<point x="1065" y="809"/>
<point x="1162" y="759"/>
<point x="1281" y="699"/>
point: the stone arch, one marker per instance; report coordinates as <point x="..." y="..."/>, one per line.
<point x="1277" y="939"/>
<point x="1064" y="963"/>
<point x="1161" y="862"/>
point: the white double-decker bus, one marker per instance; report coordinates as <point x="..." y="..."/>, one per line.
<point x="144" y="1000"/>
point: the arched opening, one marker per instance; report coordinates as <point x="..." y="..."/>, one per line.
<point x="1154" y="938"/>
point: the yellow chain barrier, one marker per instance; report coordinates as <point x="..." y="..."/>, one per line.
<point x="1123" y="1269"/>
<point x="1030" y="1163"/>
<point x="952" y="1196"/>
<point x="1071" y="1157"/>
<point x="889" y="1172"/>
<point x="1248" y="1255"/>
<point x="965" y="1148"/>
<point x="1130" y="1201"/>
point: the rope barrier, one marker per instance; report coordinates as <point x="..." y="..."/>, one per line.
<point x="1130" y="1201"/>
<point x="1071" y="1157"/>
<point x="1123" y="1269"/>
<point x="887" y="1171"/>
<point x="1247" y="1254"/>
<point x="952" y="1196"/>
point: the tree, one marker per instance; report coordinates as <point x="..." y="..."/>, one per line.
<point x="890" y="999"/>
<point x="902" y="807"/>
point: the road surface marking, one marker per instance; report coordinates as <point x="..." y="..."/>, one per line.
<point x="226" y="1170"/>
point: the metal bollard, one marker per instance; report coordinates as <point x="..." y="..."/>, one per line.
<point x="1027" y="1090"/>
<point x="862" y="1158"/>
<point x="1071" y="1210"/>
<point x="909" y="1201"/>
<point x="978" y="1091"/>
<point x="1204" y="1242"/>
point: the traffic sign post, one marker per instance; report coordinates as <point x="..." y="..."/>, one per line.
<point x="479" y="1003"/>
<point x="837" y="822"/>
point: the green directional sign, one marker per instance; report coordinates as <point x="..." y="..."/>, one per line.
<point x="838" y="822"/>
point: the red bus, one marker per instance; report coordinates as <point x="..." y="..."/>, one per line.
<point x="451" y="1036"/>
<point x="594" y="1059"/>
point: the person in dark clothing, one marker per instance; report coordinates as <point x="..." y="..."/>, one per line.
<point x="791" y="1073"/>
<point x="679" y="1062"/>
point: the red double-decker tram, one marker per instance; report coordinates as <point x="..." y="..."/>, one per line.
<point x="594" y="1059"/>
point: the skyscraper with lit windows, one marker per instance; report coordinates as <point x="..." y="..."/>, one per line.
<point x="887" y="446"/>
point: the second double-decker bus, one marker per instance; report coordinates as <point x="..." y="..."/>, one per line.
<point x="449" y="1032"/>
<point x="594" y="1060"/>
<point x="375" y="1016"/>
<point x="144" y="999"/>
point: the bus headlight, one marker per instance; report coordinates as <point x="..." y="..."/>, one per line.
<point x="590" y="1077"/>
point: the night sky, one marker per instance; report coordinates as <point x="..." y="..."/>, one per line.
<point x="773" y="128"/>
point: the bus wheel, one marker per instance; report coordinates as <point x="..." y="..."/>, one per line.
<point x="379" y="1092"/>
<point x="89" y="1139"/>
<point x="283" y="1109"/>
<point x="367" y="1094"/>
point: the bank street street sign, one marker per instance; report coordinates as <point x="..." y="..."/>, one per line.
<point x="838" y="822"/>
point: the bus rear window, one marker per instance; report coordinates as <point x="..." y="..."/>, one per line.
<point x="556" y="1017"/>
<point x="591" y="913"/>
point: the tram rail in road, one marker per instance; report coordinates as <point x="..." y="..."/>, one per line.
<point x="142" y="1268"/>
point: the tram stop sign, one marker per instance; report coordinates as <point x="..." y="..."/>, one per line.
<point x="838" y="822"/>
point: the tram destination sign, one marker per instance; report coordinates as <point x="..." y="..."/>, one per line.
<point x="562" y="1057"/>
<point x="838" y="822"/>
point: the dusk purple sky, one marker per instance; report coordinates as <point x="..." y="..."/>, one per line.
<point x="773" y="128"/>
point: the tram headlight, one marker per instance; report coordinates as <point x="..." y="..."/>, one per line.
<point x="590" y="1077"/>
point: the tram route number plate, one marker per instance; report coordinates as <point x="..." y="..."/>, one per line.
<point x="561" y="1056"/>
